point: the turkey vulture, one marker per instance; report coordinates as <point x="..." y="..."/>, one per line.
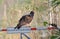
<point x="26" y="19"/>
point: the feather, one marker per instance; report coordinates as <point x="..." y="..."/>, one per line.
<point x="26" y="19"/>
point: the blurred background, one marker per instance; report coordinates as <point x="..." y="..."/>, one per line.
<point x="12" y="10"/>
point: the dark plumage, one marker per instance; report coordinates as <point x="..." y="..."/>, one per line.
<point x="26" y="19"/>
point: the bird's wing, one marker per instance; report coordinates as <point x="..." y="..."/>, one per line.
<point x="25" y="20"/>
<point x="22" y="18"/>
<point x="21" y="22"/>
<point x="28" y="18"/>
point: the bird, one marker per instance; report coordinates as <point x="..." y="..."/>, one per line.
<point x="24" y="20"/>
<point x="55" y="26"/>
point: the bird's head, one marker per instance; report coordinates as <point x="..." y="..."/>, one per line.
<point x="32" y="13"/>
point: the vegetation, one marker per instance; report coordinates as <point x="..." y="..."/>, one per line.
<point x="56" y="36"/>
<point x="54" y="4"/>
<point x="14" y="9"/>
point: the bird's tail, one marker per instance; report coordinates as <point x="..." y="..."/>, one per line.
<point x="18" y="27"/>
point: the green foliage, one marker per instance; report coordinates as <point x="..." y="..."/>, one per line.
<point x="45" y="23"/>
<point x="28" y="1"/>
<point x="58" y="33"/>
<point x="55" y="3"/>
<point x="40" y="8"/>
<point x="1" y="1"/>
<point x="56" y="36"/>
